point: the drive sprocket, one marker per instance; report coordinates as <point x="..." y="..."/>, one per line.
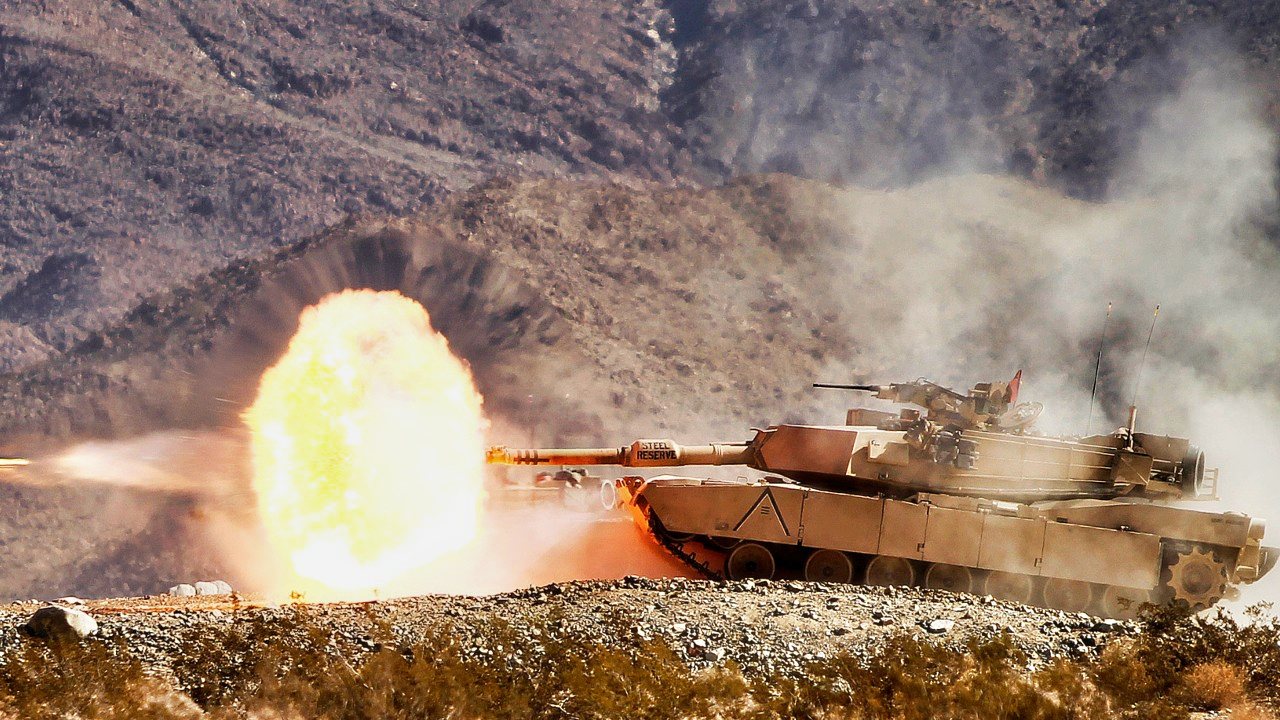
<point x="1197" y="578"/>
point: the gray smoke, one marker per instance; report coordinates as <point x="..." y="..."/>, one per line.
<point x="970" y="277"/>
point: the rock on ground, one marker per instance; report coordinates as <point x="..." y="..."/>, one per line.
<point x="57" y="622"/>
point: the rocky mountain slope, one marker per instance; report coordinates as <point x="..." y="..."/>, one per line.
<point x="144" y="142"/>
<point x="143" y="135"/>
<point x="887" y="92"/>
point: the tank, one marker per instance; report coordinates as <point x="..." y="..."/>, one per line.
<point x="956" y="493"/>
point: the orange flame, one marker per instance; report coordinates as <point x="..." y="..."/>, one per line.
<point x="367" y="445"/>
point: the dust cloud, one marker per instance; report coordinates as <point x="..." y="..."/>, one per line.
<point x="968" y="278"/>
<point x="526" y="541"/>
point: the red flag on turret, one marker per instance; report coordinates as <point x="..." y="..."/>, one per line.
<point x="1014" y="384"/>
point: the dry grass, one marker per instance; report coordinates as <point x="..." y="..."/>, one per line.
<point x="1213" y="685"/>
<point x="1174" y="644"/>
<point x="291" y="669"/>
<point x="95" y="680"/>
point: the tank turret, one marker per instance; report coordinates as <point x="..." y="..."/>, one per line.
<point x="959" y="448"/>
<point x="960" y="496"/>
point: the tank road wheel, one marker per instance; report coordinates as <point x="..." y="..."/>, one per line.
<point x="1122" y="603"/>
<point x="724" y="543"/>
<point x="828" y="566"/>
<point x="1197" y="578"/>
<point x="1014" y="587"/>
<point x="884" y="570"/>
<point x="954" y="578"/>
<point x="1067" y="595"/>
<point x="750" y="560"/>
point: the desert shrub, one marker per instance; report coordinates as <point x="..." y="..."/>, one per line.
<point x="1171" y="644"/>
<point x="910" y="679"/>
<point x="1072" y="689"/>
<point x="226" y="663"/>
<point x="1122" y="674"/>
<point x="293" y="667"/>
<point x="499" y="674"/>
<point x="604" y="683"/>
<point x="1155" y="675"/>
<point x="1213" y="685"/>
<point x="95" y="680"/>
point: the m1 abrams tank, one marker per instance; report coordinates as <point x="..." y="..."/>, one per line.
<point x="961" y="497"/>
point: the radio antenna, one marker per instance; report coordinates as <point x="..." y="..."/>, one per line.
<point x="1097" y="370"/>
<point x="1137" y="379"/>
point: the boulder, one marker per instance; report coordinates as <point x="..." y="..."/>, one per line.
<point x="182" y="590"/>
<point x="63" y="623"/>
<point x="940" y="627"/>
<point x="207" y="588"/>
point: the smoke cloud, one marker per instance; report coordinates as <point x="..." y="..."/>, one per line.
<point x="970" y="277"/>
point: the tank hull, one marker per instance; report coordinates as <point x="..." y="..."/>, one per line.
<point x="1102" y="556"/>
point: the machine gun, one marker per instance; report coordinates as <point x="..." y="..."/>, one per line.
<point x="988" y="406"/>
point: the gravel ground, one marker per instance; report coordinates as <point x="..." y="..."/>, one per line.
<point x="765" y="627"/>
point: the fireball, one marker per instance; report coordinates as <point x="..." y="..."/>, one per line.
<point x="367" y="446"/>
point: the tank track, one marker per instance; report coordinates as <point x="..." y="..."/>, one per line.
<point x="677" y="549"/>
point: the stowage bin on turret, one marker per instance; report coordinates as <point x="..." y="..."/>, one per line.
<point x="955" y="495"/>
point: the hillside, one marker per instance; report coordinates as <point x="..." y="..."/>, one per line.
<point x="146" y="142"/>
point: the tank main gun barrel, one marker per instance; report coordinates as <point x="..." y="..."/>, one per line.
<point x="838" y="386"/>
<point x="641" y="453"/>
